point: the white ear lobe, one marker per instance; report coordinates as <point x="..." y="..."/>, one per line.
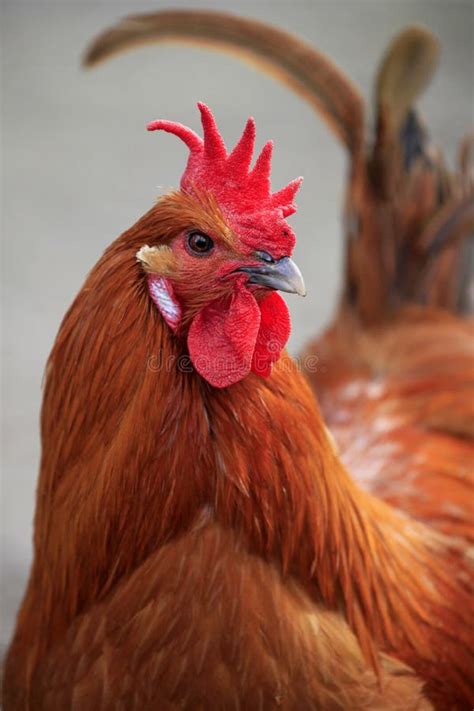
<point x="162" y="294"/>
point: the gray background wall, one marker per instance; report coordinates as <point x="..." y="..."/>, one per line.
<point x="78" y="168"/>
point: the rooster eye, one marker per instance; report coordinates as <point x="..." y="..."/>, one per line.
<point x="199" y="243"/>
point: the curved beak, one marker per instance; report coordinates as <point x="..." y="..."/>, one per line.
<point x="281" y="275"/>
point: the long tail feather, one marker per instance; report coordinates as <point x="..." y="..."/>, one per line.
<point x="307" y="71"/>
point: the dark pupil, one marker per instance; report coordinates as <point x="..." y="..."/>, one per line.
<point x="200" y="242"/>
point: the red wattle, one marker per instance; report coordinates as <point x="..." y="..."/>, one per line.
<point x="222" y="338"/>
<point x="275" y="327"/>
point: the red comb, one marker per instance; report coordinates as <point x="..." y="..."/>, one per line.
<point x="241" y="192"/>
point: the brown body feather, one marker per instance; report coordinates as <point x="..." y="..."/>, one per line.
<point x="131" y="466"/>
<point x="202" y="624"/>
<point x="399" y="400"/>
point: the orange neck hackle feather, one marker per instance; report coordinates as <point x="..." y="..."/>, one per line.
<point x="143" y="446"/>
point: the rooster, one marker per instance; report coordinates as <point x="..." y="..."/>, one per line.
<point x="395" y="377"/>
<point x="199" y="542"/>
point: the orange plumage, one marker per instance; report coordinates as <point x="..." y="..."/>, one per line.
<point x="198" y="547"/>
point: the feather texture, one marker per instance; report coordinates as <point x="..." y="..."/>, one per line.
<point x="129" y="467"/>
<point x="199" y="547"/>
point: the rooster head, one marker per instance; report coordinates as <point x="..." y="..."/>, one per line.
<point x="223" y="251"/>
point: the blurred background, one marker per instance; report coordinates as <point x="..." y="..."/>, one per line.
<point x="78" y="168"/>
